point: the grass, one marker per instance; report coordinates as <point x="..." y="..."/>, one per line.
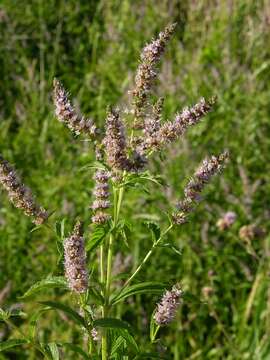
<point x="219" y="48"/>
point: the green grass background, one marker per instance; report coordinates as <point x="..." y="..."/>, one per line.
<point x="220" y="48"/>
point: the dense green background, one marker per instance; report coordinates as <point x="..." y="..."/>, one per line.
<point x="220" y="47"/>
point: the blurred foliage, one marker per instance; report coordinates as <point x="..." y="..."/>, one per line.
<point x="220" y="47"/>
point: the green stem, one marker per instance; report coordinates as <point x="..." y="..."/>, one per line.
<point x="147" y="256"/>
<point x="102" y="280"/>
<point x="155" y="333"/>
<point x="117" y="198"/>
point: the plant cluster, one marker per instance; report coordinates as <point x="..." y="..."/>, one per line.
<point x="122" y="151"/>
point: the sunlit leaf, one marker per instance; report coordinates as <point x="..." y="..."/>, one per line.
<point x="67" y="310"/>
<point x="4" y="345"/>
<point x="96" y="238"/>
<point x="149" y="287"/>
<point x="48" y="283"/>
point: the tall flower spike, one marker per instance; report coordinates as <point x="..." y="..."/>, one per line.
<point x="67" y="114"/>
<point x="115" y="145"/>
<point x="171" y="130"/>
<point x="19" y="194"/>
<point x="195" y="186"/>
<point x="146" y="73"/>
<point x="115" y="141"/>
<point x="167" y="308"/>
<point x="153" y="123"/>
<point x="75" y="261"/>
<point x="101" y="192"/>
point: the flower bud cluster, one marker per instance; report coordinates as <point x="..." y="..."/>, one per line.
<point x="146" y="73"/>
<point x="116" y="147"/>
<point x="153" y="123"/>
<point x="75" y="261"/>
<point x="172" y="130"/>
<point x="101" y="192"/>
<point x="66" y="113"/>
<point x="195" y="186"/>
<point x="226" y="221"/>
<point x="20" y="195"/>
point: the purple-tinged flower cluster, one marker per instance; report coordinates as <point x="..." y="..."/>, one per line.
<point x="66" y="113"/>
<point x="95" y="335"/>
<point x="20" y="195"/>
<point x="101" y="192"/>
<point x="153" y="123"/>
<point x="226" y="221"/>
<point x="75" y="261"/>
<point x="146" y="73"/>
<point x="167" y="307"/>
<point x="116" y="147"/>
<point x="171" y="130"/>
<point x="115" y="141"/>
<point x="195" y="186"/>
<point x="250" y="232"/>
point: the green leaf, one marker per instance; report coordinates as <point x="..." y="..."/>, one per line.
<point x="111" y="323"/>
<point x="97" y="236"/>
<point x="49" y="282"/>
<point x="119" y="342"/>
<point x="33" y="322"/>
<point x="96" y="295"/>
<point x="129" y="339"/>
<point x="153" y="329"/>
<point x="155" y="229"/>
<point x="60" y="228"/>
<point x="4" y="345"/>
<point x="142" y="288"/>
<point x="54" y="352"/>
<point x="76" y="349"/>
<point x="171" y="247"/>
<point x="67" y="310"/>
<point x="5" y="315"/>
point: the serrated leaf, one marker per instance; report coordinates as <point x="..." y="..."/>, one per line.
<point x="142" y="288"/>
<point x="97" y="236"/>
<point x="33" y="322"/>
<point x="96" y="295"/>
<point x="111" y="323"/>
<point x="171" y="247"/>
<point x="4" y="315"/>
<point x="54" y="352"/>
<point x="120" y="341"/>
<point x="155" y="229"/>
<point x="4" y="345"/>
<point x="59" y="228"/>
<point x="48" y="283"/>
<point x="67" y="310"/>
<point x="129" y="339"/>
